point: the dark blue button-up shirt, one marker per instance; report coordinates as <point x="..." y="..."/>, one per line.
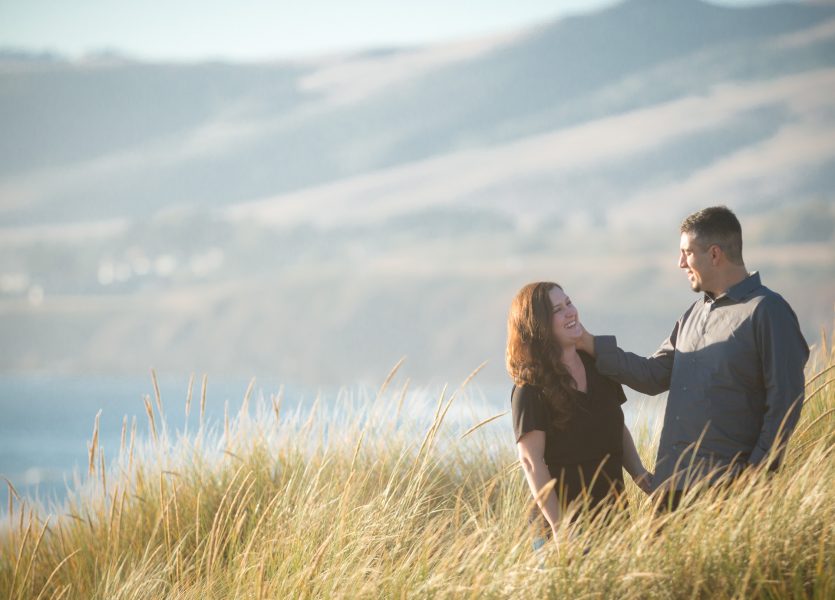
<point x="733" y="366"/>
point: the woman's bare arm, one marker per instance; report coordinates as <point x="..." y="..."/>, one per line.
<point x="632" y="463"/>
<point x="531" y="448"/>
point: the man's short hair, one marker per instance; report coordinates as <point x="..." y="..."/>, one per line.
<point x="716" y="225"/>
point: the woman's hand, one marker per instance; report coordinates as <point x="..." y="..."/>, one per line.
<point x="644" y="481"/>
<point x="563" y="533"/>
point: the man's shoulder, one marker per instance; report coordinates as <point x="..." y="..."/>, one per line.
<point x="771" y="312"/>
<point x="766" y="300"/>
<point x="759" y="293"/>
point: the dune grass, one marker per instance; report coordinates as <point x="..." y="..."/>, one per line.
<point x="364" y="505"/>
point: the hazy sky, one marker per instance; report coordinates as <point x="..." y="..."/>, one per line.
<point x="253" y="29"/>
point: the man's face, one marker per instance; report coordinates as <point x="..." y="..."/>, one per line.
<point x="697" y="263"/>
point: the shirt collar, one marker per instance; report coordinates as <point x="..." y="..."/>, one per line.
<point x="740" y="290"/>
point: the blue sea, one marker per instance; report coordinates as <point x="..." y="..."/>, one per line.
<point x="46" y="422"/>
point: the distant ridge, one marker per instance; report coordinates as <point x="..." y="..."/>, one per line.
<point x="22" y="55"/>
<point x="317" y="219"/>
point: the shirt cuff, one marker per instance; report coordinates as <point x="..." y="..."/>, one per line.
<point x="604" y="344"/>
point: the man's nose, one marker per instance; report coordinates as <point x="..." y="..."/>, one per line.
<point x="682" y="262"/>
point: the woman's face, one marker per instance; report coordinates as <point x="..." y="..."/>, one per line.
<point x="565" y="322"/>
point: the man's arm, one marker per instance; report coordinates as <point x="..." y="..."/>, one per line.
<point x="783" y="353"/>
<point x="648" y="375"/>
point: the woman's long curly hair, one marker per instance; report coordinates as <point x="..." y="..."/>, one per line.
<point x="533" y="355"/>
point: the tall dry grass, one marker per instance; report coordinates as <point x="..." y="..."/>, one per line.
<point x="366" y="506"/>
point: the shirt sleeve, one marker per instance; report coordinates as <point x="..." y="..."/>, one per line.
<point x="648" y="375"/>
<point x="528" y="411"/>
<point x="619" y="393"/>
<point x="783" y="353"/>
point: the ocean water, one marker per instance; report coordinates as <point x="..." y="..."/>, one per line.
<point x="46" y="422"/>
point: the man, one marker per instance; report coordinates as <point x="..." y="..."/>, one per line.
<point x="733" y="364"/>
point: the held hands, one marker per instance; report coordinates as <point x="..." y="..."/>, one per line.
<point x="562" y="534"/>
<point x="644" y="481"/>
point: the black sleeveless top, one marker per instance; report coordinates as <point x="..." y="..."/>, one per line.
<point x="586" y="455"/>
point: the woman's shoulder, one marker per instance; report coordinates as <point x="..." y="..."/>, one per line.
<point x="525" y="393"/>
<point x="601" y="384"/>
<point x="528" y="411"/>
<point x="589" y="362"/>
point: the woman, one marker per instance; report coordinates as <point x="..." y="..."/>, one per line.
<point x="566" y="416"/>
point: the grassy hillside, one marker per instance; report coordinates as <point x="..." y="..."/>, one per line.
<point x="367" y="505"/>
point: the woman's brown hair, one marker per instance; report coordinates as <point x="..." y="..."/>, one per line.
<point x="533" y="355"/>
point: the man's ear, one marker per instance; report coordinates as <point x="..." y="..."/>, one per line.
<point x="716" y="253"/>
